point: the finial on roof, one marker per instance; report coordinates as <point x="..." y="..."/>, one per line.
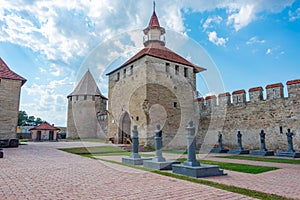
<point x="153" y="5"/>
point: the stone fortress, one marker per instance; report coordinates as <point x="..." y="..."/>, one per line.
<point x="230" y="113"/>
<point x="87" y="116"/>
<point x="10" y="89"/>
<point x="159" y="86"/>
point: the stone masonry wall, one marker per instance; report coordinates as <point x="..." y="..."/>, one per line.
<point x="274" y="115"/>
<point x="9" y="101"/>
<point x="153" y="93"/>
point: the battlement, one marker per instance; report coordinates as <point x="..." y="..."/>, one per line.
<point x="238" y="97"/>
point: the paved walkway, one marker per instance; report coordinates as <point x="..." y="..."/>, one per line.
<point x="284" y="181"/>
<point x="39" y="171"/>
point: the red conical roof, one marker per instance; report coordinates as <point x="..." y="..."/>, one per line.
<point x="6" y="73"/>
<point x="154" y="21"/>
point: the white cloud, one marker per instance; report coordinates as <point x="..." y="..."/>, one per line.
<point x="294" y="15"/>
<point x="255" y="40"/>
<point x="243" y="17"/>
<point x="210" y="20"/>
<point x="269" y="51"/>
<point x="60" y="32"/>
<point x="213" y="37"/>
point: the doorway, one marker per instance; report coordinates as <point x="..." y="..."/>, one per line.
<point x="125" y="129"/>
<point x="38" y="136"/>
<point x="51" y="135"/>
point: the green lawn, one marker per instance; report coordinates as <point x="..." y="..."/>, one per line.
<point x="94" y="150"/>
<point x="100" y="151"/>
<point x="106" y="150"/>
<point x="251" y="169"/>
<point x="238" y="190"/>
<point x="263" y="159"/>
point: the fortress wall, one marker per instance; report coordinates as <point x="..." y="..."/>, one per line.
<point x="9" y="101"/>
<point x="275" y="114"/>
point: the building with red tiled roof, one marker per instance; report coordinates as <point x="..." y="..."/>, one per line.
<point x="6" y="73"/>
<point x="10" y="89"/>
<point x="156" y="83"/>
<point x="44" y="132"/>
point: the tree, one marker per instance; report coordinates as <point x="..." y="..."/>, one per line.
<point x="22" y="118"/>
<point x="25" y="120"/>
<point x="38" y="121"/>
<point x="31" y="121"/>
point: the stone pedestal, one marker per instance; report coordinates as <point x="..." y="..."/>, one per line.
<point x="1" y="153"/>
<point x="134" y="161"/>
<point x="159" y="162"/>
<point x="263" y="150"/>
<point x="198" y="171"/>
<point x="262" y="153"/>
<point x="240" y="149"/>
<point x="134" y="158"/>
<point x="191" y="167"/>
<point x="164" y="165"/>
<point x="289" y="154"/>
<point x="219" y="150"/>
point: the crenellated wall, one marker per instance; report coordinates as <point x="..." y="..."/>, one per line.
<point x="230" y="113"/>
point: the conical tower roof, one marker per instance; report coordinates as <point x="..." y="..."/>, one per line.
<point x="87" y="86"/>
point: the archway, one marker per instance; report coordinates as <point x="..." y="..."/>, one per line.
<point x="124" y="129"/>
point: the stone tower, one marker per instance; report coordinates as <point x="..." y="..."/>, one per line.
<point x="87" y="110"/>
<point x="10" y="88"/>
<point x="154" y="86"/>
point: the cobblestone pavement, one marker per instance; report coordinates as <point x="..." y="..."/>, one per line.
<point x="40" y="171"/>
<point x="284" y="181"/>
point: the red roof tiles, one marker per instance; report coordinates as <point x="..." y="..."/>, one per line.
<point x="210" y="97"/>
<point x="255" y="89"/>
<point x="274" y="85"/>
<point x="159" y="51"/>
<point x="6" y="73"/>
<point x="45" y="126"/>
<point x="239" y="92"/>
<point x="293" y="82"/>
<point x="226" y="94"/>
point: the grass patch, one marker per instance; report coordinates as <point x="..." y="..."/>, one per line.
<point x="250" y="169"/>
<point x="101" y="151"/>
<point x="94" y="150"/>
<point x="23" y="140"/>
<point x="263" y="159"/>
<point x="234" y="189"/>
<point x="86" y="140"/>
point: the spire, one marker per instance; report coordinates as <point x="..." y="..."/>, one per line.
<point x="154" y="32"/>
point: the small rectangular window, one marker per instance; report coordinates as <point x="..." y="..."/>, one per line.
<point x="77" y="98"/>
<point x="176" y="69"/>
<point x="175" y="104"/>
<point x="85" y="97"/>
<point x="93" y="98"/>
<point x="118" y="76"/>
<point x="186" y="72"/>
<point x="124" y="73"/>
<point x="167" y="67"/>
<point x="131" y="69"/>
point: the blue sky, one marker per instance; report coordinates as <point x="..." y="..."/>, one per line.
<point x="252" y="43"/>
